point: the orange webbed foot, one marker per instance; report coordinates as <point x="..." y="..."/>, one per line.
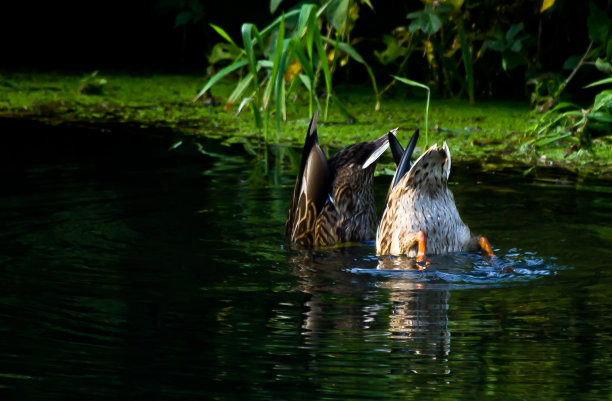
<point x="421" y="240"/>
<point x="485" y="246"/>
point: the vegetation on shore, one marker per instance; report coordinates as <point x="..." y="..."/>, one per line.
<point x="492" y="133"/>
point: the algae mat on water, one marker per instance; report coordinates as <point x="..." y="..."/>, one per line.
<point x="493" y="134"/>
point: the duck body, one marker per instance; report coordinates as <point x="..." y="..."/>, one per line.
<point x="420" y="217"/>
<point x="333" y="200"/>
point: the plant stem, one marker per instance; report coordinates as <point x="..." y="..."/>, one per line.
<point x="427" y="118"/>
<point x="574" y="71"/>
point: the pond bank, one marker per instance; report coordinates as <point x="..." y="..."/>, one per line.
<point x="490" y="135"/>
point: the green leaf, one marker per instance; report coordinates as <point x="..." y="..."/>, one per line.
<point x="603" y="66"/>
<point x="415" y="14"/>
<point x="603" y="99"/>
<point x="601" y="117"/>
<point x="414" y="26"/>
<point x="598" y="24"/>
<point x="303" y="18"/>
<point x="434" y="23"/>
<point x="244" y="102"/>
<point x="281" y="105"/>
<point x="495" y="45"/>
<point x="573" y="113"/>
<point x="274" y="5"/>
<point x="219" y="76"/>
<point x="265" y="64"/>
<point x="572" y="62"/>
<point x="307" y="67"/>
<point x="427" y="21"/>
<point x="277" y="22"/>
<point x="306" y="81"/>
<point x="600" y="82"/>
<point x="563" y="105"/>
<point x="410" y="82"/>
<point x="299" y="53"/>
<point x="247" y="38"/>
<point x="338" y="11"/>
<point x="313" y="25"/>
<point x="238" y="92"/>
<point x="223" y="34"/>
<point x="514" y="29"/>
<point x="183" y="18"/>
<point x="278" y="72"/>
<point x="546" y="141"/>
<point x="516" y="46"/>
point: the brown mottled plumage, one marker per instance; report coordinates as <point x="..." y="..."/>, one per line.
<point x="333" y="200"/>
<point x="420" y="217"/>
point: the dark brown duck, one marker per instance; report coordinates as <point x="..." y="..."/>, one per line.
<point x="420" y="217"/>
<point x="333" y="200"/>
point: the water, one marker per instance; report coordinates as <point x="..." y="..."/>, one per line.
<point x="131" y="271"/>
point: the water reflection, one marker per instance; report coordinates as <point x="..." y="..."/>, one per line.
<point x="395" y="304"/>
<point x="414" y="313"/>
<point x="418" y="325"/>
<point x="134" y="272"/>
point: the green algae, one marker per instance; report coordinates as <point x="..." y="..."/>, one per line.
<point x="492" y="134"/>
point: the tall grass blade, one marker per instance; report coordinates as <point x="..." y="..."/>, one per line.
<point x="247" y="40"/>
<point x="240" y="89"/>
<point x="223" y="34"/>
<point x="305" y="79"/>
<point x="277" y="21"/>
<point x="306" y="64"/>
<point x="276" y="66"/>
<point x="219" y="76"/>
<point x="547" y="141"/>
<point x="274" y="5"/>
<point x="281" y="109"/>
<point x="281" y="106"/>
<point x="314" y="26"/>
<point x="298" y="52"/>
<point x="303" y="18"/>
<point x="245" y="101"/>
<point x="600" y="82"/>
<point x="419" y="85"/>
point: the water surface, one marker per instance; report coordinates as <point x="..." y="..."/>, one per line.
<point x="131" y="270"/>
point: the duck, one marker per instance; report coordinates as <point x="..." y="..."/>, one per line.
<point x="333" y="199"/>
<point x="420" y="217"/>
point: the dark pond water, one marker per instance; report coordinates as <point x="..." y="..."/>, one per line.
<point x="131" y="271"/>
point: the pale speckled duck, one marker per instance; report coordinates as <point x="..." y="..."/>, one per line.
<point x="333" y="200"/>
<point x="420" y="216"/>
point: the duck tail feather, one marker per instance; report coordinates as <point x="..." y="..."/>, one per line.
<point x="404" y="165"/>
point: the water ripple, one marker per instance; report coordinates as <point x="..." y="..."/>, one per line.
<point x="463" y="270"/>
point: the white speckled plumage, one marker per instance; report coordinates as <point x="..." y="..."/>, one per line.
<point x="421" y="201"/>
